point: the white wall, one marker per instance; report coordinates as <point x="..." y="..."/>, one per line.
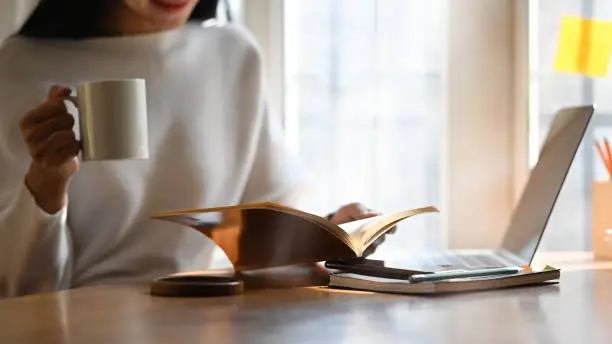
<point x="486" y="129"/>
<point x="12" y="15"/>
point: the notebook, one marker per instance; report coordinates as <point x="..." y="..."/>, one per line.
<point x="402" y="286"/>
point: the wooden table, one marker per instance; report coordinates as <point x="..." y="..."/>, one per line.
<point x="579" y="310"/>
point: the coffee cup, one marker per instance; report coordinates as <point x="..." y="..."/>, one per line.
<point x="112" y="119"/>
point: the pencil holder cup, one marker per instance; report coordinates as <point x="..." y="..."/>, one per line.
<point x="602" y="220"/>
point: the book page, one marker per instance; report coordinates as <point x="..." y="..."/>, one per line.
<point x="355" y="228"/>
<point x="368" y="231"/>
<point x="186" y="216"/>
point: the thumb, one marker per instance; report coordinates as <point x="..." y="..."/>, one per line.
<point x="57" y="91"/>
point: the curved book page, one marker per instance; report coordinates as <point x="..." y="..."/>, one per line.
<point x="373" y="230"/>
<point x="265" y="236"/>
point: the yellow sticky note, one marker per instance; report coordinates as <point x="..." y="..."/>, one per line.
<point x="585" y="46"/>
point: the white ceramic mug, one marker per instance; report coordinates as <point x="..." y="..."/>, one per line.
<point x="112" y="117"/>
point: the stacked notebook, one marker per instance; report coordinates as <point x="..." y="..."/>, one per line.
<point x="404" y="286"/>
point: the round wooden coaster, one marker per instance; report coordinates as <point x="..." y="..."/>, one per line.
<point x="196" y="286"/>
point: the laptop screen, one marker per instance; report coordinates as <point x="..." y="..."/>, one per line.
<point x="545" y="181"/>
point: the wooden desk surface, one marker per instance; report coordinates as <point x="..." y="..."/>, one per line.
<point x="579" y="310"/>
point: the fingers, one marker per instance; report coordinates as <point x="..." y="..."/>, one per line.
<point x="361" y="212"/>
<point x="47" y="110"/>
<point x="359" y="208"/>
<point x="66" y="153"/>
<point x="58" y="149"/>
<point x="366" y="215"/>
<point x="38" y="136"/>
<point x="52" y="106"/>
<point x="47" y="129"/>
<point x="40" y="132"/>
<point x="352" y="212"/>
<point x="357" y="211"/>
<point x="58" y="92"/>
<point x="373" y="246"/>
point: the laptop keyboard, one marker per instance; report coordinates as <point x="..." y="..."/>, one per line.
<point x="474" y="261"/>
<point x="477" y="260"/>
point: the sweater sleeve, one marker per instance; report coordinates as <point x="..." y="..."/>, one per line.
<point x="34" y="245"/>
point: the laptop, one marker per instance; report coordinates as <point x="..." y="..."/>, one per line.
<point x="533" y="210"/>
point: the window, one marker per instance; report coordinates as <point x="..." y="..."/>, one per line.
<point x="363" y="103"/>
<point x="399" y="104"/>
<point x="229" y="9"/>
<point x="570" y="224"/>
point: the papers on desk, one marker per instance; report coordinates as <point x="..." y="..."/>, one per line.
<point x="387" y="285"/>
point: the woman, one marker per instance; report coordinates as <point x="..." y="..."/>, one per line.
<point x="211" y="140"/>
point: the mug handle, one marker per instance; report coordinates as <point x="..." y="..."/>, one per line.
<point x="74" y="101"/>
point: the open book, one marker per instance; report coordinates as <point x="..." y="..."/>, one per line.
<point x="265" y="235"/>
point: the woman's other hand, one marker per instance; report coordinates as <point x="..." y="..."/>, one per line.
<point x="47" y="131"/>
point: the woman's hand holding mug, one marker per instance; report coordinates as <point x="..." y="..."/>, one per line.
<point x="112" y="125"/>
<point x="48" y="133"/>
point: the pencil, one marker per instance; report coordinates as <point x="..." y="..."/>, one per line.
<point x="604" y="158"/>
<point x="608" y="153"/>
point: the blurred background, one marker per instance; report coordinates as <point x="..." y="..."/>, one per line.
<point x="406" y="103"/>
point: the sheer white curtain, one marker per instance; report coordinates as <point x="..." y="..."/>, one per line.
<point x="364" y="96"/>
